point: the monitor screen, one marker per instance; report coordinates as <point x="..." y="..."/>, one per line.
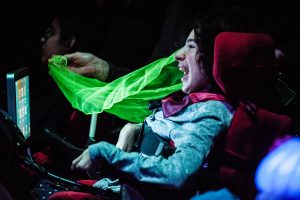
<point x="18" y="103"/>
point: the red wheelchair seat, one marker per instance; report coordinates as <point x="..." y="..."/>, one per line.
<point x="243" y="69"/>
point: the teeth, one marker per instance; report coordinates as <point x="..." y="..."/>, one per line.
<point x="183" y="70"/>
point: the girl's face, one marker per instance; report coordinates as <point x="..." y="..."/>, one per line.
<point x="194" y="76"/>
<point x="51" y="44"/>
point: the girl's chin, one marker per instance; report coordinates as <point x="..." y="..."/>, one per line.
<point x="185" y="90"/>
<point x="184" y="78"/>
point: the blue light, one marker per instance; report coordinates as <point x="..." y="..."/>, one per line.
<point x="278" y="174"/>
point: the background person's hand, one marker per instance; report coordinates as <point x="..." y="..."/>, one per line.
<point x="83" y="162"/>
<point x="127" y="136"/>
<point x="87" y="64"/>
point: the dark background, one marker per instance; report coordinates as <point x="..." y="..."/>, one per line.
<point x="24" y="22"/>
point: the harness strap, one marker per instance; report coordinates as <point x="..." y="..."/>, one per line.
<point x="149" y="143"/>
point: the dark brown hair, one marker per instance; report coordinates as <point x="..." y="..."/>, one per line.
<point x="206" y="29"/>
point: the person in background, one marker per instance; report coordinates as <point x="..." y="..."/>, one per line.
<point x="66" y="33"/>
<point x="70" y="32"/>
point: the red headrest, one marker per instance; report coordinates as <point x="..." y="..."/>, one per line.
<point x="242" y="63"/>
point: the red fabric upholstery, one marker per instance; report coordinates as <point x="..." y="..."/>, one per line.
<point x="41" y="158"/>
<point x="242" y="64"/>
<point x="248" y="140"/>
<point x="76" y="195"/>
<point x="73" y="196"/>
<point x="78" y="128"/>
<point x="87" y="182"/>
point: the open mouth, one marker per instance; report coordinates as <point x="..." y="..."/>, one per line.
<point x="185" y="72"/>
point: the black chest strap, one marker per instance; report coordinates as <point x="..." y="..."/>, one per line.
<point x="149" y="143"/>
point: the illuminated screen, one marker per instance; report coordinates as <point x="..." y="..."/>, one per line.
<point x="18" y="99"/>
<point x="22" y="105"/>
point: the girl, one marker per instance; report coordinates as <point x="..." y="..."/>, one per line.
<point x="191" y="119"/>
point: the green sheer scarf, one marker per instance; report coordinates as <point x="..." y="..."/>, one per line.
<point x="126" y="97"/>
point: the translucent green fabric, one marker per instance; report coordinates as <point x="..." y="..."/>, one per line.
<point x="127" y="97"/>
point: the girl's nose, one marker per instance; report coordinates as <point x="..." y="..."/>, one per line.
<point x="180" y="55"/>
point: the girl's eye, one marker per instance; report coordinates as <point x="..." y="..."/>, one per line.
<point x="191" y="46"/>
